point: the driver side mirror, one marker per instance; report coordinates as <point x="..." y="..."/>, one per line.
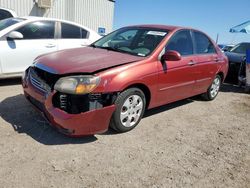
<point x="171" y="55"/>
<point x="15" y="35"/>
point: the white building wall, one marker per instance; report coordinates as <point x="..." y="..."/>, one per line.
<point x="90" y="13"/>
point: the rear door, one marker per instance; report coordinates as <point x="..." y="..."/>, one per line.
<point x="177" y="78"/>
<point x="17" y="54"/>
<point x="207" y="61"/>
<point x="72" y="36"/>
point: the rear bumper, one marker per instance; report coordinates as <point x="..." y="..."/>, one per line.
<point x="87" y="123"/>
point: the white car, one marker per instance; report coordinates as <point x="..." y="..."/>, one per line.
<point x="6" y="13"/>
<point x="23" y="39"/>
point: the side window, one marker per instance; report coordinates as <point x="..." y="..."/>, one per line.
<point x="38" y="30"/>
<point x="203" y="44"/>
<point x="73" y="32"/>
<point x="181" y="42"/>
<point x="5" y="14"/>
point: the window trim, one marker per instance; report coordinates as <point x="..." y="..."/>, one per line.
<point x="57" y="30"/>
<point x="195" y="46"/>
<point x="175" y="33"/>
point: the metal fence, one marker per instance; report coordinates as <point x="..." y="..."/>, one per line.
<point x="91" y="13"/>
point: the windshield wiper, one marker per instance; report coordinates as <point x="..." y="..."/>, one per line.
<point x="114" y="49"/>
<point x="106" y="48"/>
<point x="110" y="48"/>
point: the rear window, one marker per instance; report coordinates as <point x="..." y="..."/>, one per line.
<point x="9" y="22"/>
<point x="73" y="32"/>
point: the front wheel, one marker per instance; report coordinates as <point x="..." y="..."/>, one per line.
<point x="130" y="107"/>
<point x="213" y="90"/>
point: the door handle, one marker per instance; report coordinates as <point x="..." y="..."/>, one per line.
<point x="50" y="46"/>
<point x="191" y="63"/>
<point x="216" y="59"/>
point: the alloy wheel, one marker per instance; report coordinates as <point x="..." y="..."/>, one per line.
<point x="215" y="87"/>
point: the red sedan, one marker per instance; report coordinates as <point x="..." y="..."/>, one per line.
<point x="83" y="91"/>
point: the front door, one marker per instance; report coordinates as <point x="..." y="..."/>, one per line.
<point x="17" y="54"/>
<point x="177" y="78"/>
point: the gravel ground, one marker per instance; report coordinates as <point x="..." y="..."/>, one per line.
<point x="190" y="143"/>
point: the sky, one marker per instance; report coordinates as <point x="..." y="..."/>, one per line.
<point x="211" y="16"/>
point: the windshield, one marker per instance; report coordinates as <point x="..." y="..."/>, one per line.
<point x="9" y="22"/>
<point x="241" y="48"/>
<point x="135" y="41"/>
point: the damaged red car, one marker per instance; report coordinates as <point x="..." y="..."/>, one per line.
<point x="111" y="83"/>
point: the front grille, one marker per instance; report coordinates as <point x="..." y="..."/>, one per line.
<point x="49" y="78"/>
<point x="37" y="83"/>
<point x="42" y="80"/>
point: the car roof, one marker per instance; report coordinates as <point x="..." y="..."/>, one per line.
<point x="165" y="27"/>
<point x="36" y="18"/>
<point x="28" y="19"/>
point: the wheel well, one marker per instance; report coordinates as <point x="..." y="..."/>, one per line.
<point x="145" y="90"/>
<point x="221" y="75"/>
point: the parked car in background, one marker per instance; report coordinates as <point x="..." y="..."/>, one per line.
<point x="6" y="13"/>
<point x="235" y="56"/>
<point x="23" y="39"/>
<point x="82" y="91"/>
<point x="226" y="47"/>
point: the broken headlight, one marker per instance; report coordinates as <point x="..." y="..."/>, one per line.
<point x="77" y="84"/>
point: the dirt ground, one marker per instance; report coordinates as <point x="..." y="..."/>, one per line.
<point x="190" y="143"/>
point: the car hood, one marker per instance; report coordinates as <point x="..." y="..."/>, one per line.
<point x="85" y="60"/>
<point x="235" y="57"/>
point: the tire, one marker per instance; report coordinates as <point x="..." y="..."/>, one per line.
<point x="213" y="89"/>
<point x="130" y="107"/>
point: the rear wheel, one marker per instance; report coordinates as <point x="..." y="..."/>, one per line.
<point x="213" y="90"/>
<point x="130" y="107"/>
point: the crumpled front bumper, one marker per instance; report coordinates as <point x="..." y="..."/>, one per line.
<point x="87" y="123"/>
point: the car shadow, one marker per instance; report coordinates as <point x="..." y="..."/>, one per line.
<point x="158" y="110"/>
<point x="232" y="88"/>
<point x="170" y="106"/>
<point x="10" y="81"/>
<point x="25" y="119"/>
